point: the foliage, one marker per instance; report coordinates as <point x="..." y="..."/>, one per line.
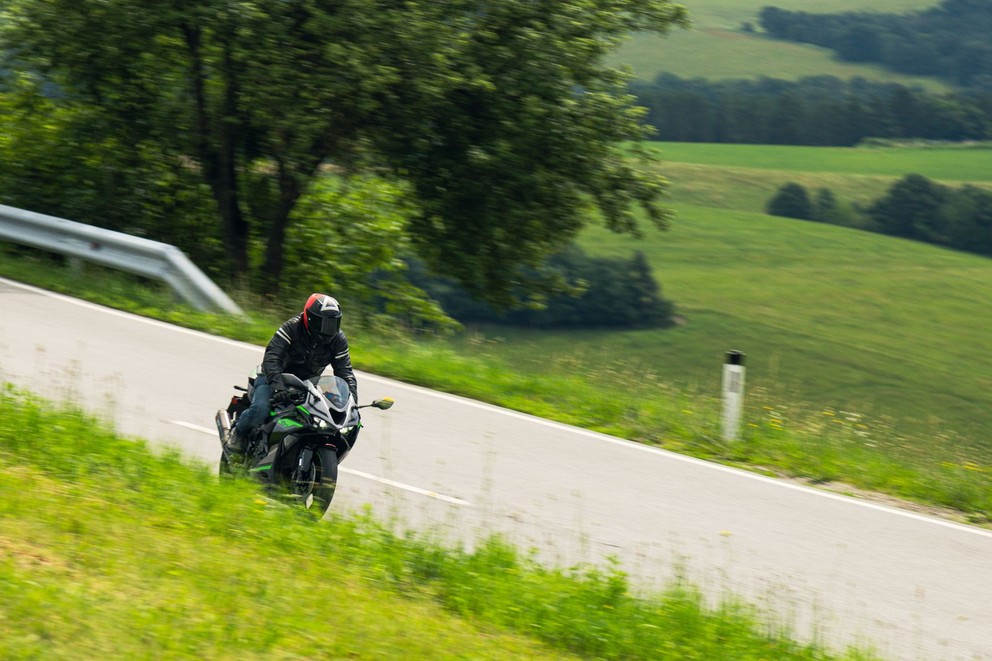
<point x="605" y="293"/>
<point x="910" y="209"/>
<point x="349" y="238"/>
<point x="826" y="209"/>
<point x="500" y="115"/>
<point x="791" y="201"/>
<point x="918" y="208"/>
<point x="950" y="40"/>
<point x="57" y="158"/>
<point x="820" y="110"/>
<point x="188" y="578"/>
<point x="966" y="220"/>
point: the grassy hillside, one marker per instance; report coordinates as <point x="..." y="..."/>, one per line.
<point x="953" y="163"/>
<point x="108" y="551"/>
<point x="831" y="316"/>
<point x="716" y="48"/>
<point x="839" y="317"/>
<point x="745" y="177"/>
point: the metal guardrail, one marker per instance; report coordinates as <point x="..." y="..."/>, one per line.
<point x="151" y="259"/>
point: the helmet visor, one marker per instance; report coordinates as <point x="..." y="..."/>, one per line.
<point x="328" y="325"/>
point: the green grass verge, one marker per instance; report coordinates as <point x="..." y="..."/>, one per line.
<point x="108" y="550"/>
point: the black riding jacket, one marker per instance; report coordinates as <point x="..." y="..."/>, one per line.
<point x="296" y="350"/>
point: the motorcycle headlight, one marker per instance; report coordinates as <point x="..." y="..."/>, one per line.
<point x="320" y="424"/>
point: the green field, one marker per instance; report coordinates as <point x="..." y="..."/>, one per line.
<point x="953" y="163"/>
<point x="829" y="316"/>
<point x="716" y="48"/>
<point x="744" y="177"/>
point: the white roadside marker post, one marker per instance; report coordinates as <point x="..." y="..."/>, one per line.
<point x="733" y="394"/>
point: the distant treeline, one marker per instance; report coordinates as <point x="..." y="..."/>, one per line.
<point x="819" y="110"/>
<point x="914" y="207"/>
<point x="950" y="41"/>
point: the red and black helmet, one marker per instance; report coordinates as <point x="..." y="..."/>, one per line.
<point x="322" y="315"/>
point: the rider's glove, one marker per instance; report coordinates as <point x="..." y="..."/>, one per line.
<point x="280" y="396"/>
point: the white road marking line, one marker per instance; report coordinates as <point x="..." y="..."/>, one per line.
<point x="190" y="425"/>
<point x="631" y="445"/>
<point x="367" y="476"/>
<point x="407" y="487"/>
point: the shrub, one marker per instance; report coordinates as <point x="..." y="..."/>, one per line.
<point x="911" y="209"/>
<point x="791" y="201"/>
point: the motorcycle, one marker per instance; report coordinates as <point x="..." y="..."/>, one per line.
<point x="295" y="453"/>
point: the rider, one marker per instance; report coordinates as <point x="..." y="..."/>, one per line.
<point x="304" y="346"/>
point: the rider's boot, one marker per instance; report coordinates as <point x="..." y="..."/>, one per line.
<point x="235" y="442"/>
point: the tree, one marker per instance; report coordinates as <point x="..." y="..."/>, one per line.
<point x="605" y="292"/>
<point x="860" y="43"/>
<point x="824" y="206"/>
<point x="911" y="209"/>
<point x="367" y="261"/>
<point x="499" y="113"/>
<point x="53" y="160"/>
<point x="791" y="201"/>
<point x="967" y="217"/>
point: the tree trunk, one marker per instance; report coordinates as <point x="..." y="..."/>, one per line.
<point x="218" y="154"/>
<point x="290" y="191"/>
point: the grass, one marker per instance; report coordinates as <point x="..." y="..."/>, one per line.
<point x="716" y="48"/>
<point x="951" y="162"/>
<point x="108" y="550"/>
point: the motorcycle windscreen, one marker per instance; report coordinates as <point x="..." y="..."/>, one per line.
<point x="337" y="392"/>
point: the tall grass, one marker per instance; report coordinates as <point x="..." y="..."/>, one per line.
<point x="108" y="550"/>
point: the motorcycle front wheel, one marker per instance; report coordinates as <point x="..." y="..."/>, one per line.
<point x="314" y="487"/>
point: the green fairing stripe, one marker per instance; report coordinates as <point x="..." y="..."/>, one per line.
<point x="305" y="412"/>
<point x="260" y="468"/>
<point x="286" y="422"/>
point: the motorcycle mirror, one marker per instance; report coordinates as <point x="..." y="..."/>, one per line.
<point x="383" y="403"/>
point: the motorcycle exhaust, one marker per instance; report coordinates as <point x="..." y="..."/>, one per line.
<point x="223" y="421"/>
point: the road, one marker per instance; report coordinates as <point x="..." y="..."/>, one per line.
<point x="827" y="566"/>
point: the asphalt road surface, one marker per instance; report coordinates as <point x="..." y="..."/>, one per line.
<point x="831" y="568"/>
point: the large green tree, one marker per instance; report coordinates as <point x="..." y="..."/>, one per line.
<point x="499" y="113"/>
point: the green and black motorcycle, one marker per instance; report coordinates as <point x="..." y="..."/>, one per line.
<point x="296" y="451"/>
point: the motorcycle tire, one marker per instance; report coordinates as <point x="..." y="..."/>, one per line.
<point x="315" y="490"/>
